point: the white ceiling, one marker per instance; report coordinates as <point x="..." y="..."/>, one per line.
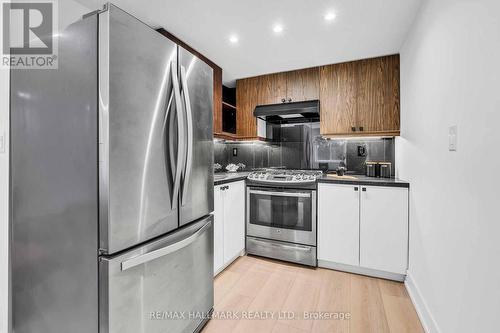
<point x="362" y="29"/>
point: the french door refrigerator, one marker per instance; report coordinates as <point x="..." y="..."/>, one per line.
<point x="112" y="184"/>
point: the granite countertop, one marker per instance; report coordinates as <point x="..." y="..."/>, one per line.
<point x="363" y="180"/>
<point x="229" y="177"/>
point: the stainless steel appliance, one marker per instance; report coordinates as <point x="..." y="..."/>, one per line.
<point x="112" y="184"/>
<point x="281" y="215"/>
<point x="297" y="112"/>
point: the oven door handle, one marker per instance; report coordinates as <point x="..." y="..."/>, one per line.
<point x="282" y="194"/>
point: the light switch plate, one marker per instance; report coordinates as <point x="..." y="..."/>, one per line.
<point x="452" y="138"/>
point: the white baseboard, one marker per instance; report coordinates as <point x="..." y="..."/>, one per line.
<point x="226" y="265"/>
<point x="361" y="270"/>
<point x="425" y="316"/>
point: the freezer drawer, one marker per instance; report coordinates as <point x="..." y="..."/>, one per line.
<point x="164" y="286"/>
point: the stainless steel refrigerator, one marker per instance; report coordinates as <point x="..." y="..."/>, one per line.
<point x="112" y="184"/>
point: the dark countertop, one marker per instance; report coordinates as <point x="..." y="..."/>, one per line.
<point x="364" y="180"/>
<point x="229" y="177"/>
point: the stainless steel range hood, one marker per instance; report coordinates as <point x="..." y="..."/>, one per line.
<point x="298" y="112"/>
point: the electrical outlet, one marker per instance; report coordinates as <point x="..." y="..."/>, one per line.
<point x="361" y="151"/>
<point x="452" y="138"/>
<point x="235" y="151"/>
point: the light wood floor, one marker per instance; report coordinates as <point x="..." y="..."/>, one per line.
<point x="252" y="285"/>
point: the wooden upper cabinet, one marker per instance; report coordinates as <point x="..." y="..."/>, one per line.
<point x="247" y="95"/>
<point x="272" y="88"/>
<point x="302" y="85"/>
<point x="338" y="99"/>
<point x="378" y="94"/>
<point x="360" y="98"/>
<point x="295" y="86"/>
<point x="217" y="101"/>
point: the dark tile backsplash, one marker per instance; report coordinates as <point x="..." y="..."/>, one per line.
<point x="326" y="152"/>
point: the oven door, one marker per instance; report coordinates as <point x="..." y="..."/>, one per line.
<point x="282" y="214"/>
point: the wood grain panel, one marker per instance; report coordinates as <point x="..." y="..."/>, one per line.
<point x="217" y="100"/>
<point x="272" y="88"/>
<point x="338" y="98"/>
<point x="247" y="94"/>
<point x="303" y="84"/>
<point x="378" y="99"/>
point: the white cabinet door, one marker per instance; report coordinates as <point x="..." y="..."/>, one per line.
<point x="234" y="220"/>
<point x="384" y="228"/>
<point x="338" y="223"/>
<point x="218" y="228"/>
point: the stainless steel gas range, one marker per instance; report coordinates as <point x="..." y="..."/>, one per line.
<point x="281" y="215"/>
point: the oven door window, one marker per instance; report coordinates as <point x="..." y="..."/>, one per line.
<point x="284" y="210"/>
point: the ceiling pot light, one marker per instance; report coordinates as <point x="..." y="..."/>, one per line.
<point x="278" y="28"/>
<point x="330" y="16"/>
<point x="233" y="39"/>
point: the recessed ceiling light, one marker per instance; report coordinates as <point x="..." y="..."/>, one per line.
<point x="278" y="28"/>
<point x="233" y="39"/>
<point x="330" y="16"/>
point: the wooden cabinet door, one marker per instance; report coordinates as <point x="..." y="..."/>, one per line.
<point x="384" y="228"/>
<point x="272" y="88"/>
<point x="302" y="85"/>
<point x="234" y="221"/>
<point x="338" y="99"/>
<point x="246" y="100"/>
<point x="218" y="229"/>
<point x="378" y="99"/>
<point x="217" y="101"/>
<point x="338" y="223"/>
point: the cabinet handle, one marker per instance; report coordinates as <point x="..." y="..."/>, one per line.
<point x="283" y="100"/>
<point x="356" y="189"/>
<point x="361" y="129"/>
<point x="353" y="129"/>
<point x="364" y="189"/>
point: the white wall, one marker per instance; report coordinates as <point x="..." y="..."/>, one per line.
<point x="450" y="75"/>
<point x="69" y="11"/>
<point x="4" y="186"/>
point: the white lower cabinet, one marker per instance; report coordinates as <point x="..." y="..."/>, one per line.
<point x="338" y="223"/>
<point x="384" y="228"/>
<point x="363" y="229"/>
<point x="229" y="223"/>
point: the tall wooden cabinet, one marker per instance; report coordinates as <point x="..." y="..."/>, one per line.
<point x="360" y="98"/>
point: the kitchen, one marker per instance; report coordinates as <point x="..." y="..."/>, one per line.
<point x="286" y="167"/>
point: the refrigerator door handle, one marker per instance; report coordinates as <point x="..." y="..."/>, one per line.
<point x="145" y="258"/>
<point x="189" y="143"/>
<point x="181" y="135"/>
